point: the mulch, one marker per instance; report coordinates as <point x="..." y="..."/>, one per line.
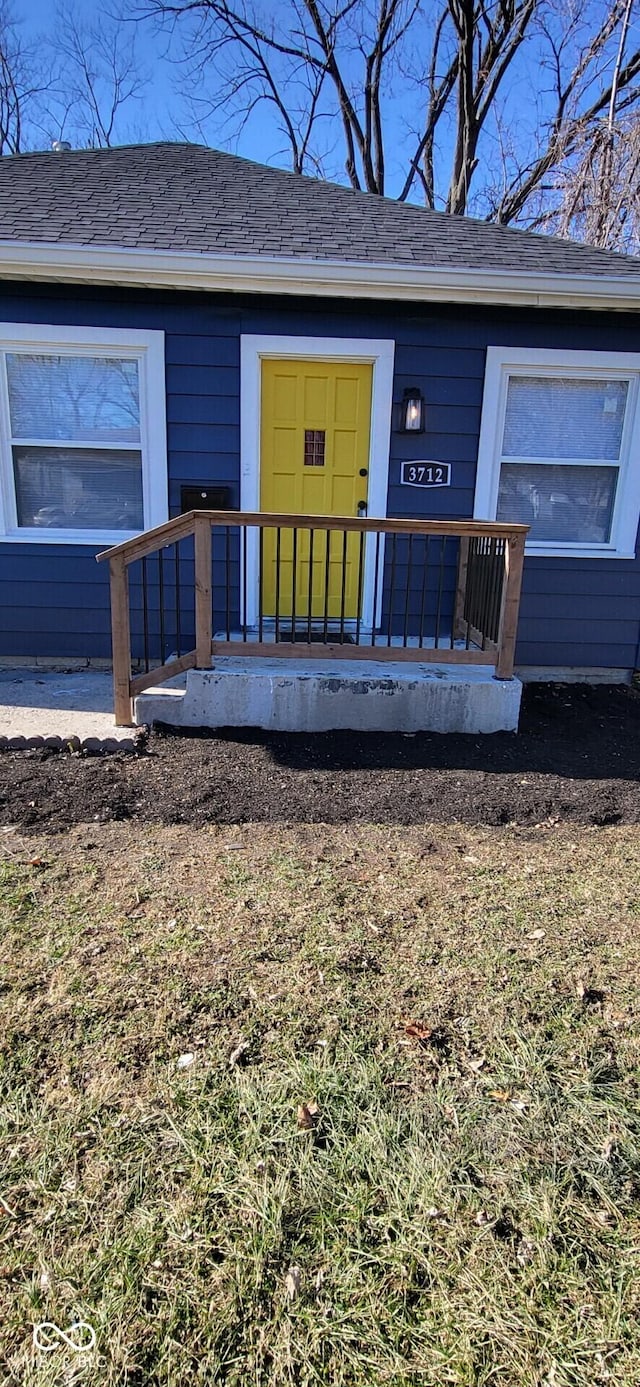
<point x="576" y="758"/>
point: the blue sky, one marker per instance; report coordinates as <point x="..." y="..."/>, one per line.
<point x="162" y="109"/>
<point x="39" y="16"/>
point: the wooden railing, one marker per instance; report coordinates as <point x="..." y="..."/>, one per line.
<point x="229" y="582"/>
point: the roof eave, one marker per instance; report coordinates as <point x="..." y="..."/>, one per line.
<point x="261" y="274"/>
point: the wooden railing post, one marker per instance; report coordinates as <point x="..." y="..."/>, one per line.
<point x="514" y="561"/>
<point x="461" y="588"/>
<point x="202" y="533"/>
<point x="121" y="642"/>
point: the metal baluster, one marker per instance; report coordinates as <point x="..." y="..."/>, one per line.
<point x="311" y="535"/>
<point x="360" y="583"/>
<point x="487" y="630"/>
<point x="161" y="601"/>
<point x="176" y="549"/>
<point x="482" y="579"/>
<point x="294" y="583"/>
<point x="392" y="588"/>
<point x="227" y="579"/>
<point x="502" y="580"/>
<point x="440" y="581"/>
<point x="492" y="588"/>
<point x="278" y="547"/>
<point x="496" y="588"/>
<point x="243" y="546"/>
<point x="485" y="589"/>
<point x="488" y="593"/>
<point x="469" y="596"/>
<point x="407" y="592"/>
<point x="260" y="581"/>
<point x="451" y="634"/>
<point x="145" y="616"/>
<point x="423" y="594"/>
<point x="327" y="576"/>
<point x="376" y="574"/>
<point x="343" y="585"/>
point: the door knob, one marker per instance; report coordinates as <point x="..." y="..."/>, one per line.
<point x="362" y="508"/>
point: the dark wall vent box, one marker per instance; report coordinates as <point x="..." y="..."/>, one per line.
<point x="205" y="498"/>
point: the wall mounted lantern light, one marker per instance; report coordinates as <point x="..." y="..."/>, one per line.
<point x="411" y="411"/>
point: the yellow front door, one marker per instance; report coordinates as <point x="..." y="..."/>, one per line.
<point x="314" y="460"/>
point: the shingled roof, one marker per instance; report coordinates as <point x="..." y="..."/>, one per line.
<point x="184" y="197"/>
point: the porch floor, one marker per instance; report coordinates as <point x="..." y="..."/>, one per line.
<point x="365" y="696"/>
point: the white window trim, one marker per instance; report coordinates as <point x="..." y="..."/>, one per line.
<point x="148" y="349"/>
<point x="539" y="361"/>
<point x="380" y="353"/>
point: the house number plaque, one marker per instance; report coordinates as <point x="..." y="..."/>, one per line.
<point x="425" y="473"/>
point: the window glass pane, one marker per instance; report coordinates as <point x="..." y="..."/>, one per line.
<point x="553" y="418"/>
<point x="78" y="489"/>
<point x="573" y="504"/>
<point x="314" y="446"/>
<point x="83" y="398"/>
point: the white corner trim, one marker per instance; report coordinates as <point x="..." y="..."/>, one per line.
<point x="254" y="348"/>
<point x="144" y="346"/>
<point x="265" y="274"/>
<point x="501" y="361"/>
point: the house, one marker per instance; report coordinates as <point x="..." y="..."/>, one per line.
<point x="182" y="330"/>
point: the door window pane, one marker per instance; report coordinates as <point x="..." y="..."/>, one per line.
<point x="314" y="443"/>
<point x="567" y="504"/>
<point x="564" y="418"/>
<point x="74" y="398"/>
<point x="78" y="488"/>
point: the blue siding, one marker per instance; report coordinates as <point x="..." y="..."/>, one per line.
<point x="54" y="599"/>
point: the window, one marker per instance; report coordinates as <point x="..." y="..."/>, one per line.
<point x="82" y="444"/>
<point x="559" y="449"/>
<point x="314" y="441"/>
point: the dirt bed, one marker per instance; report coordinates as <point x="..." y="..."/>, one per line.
<point x="576" y="758"/>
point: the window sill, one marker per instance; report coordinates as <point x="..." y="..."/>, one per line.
<point x="92" y="539"/>
<point x="574" y="551"/>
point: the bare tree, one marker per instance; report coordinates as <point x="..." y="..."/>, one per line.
<point x="519" y="111"/>
<point x="81" y="81"/>
<point x="588" y="82"/>
<point x="302" y="67"/>
<point x="497" y="96"/>
<point x="595" y="195"/>
<point x="102" y="77"/>
<point x="25" y="85"/>
<point x="476" y="45"/>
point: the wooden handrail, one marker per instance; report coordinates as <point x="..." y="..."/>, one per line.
<point x="485" y="608"/>
<point x="150" y="540"/>
<point x="183" y="525"/>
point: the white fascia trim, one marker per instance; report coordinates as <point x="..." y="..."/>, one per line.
<point x="324" y="278"/>
<point x="143" y="345"/>
<point x="540" y="361"/>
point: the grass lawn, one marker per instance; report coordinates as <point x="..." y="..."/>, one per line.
<point x="301" y="1105"/>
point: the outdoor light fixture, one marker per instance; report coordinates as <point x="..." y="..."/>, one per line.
<point x="411" y="411"/>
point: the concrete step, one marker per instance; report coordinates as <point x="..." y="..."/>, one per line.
<point x="329" y="695"/>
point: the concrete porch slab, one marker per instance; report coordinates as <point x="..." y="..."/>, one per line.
<point x="363" y="696"/>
